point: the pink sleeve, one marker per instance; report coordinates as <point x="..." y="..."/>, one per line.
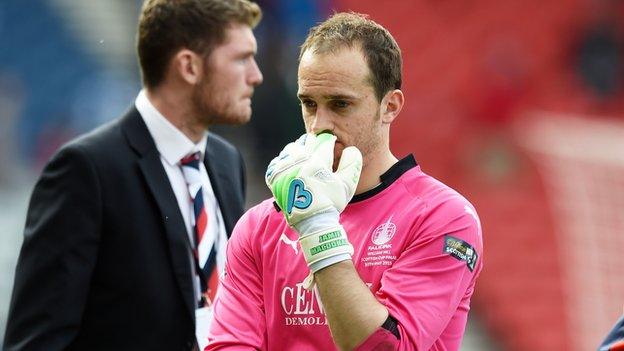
<point x="238" y="316"/>
<point x="427" y="289"/>
<point x="380" y="340"/>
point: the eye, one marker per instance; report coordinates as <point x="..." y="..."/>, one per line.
<point x="308" y="104"/>
<point x="340" y="104"/>
<point x="245" y="58"/>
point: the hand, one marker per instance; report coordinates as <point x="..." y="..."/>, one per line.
<point x="312" y="196"/>
<point x="302" y="181"/>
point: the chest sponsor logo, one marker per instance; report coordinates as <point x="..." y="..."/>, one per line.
<point x="380" y="253"/>
<point x="302" y="306"/>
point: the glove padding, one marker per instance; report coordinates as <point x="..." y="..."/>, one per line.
<point x="302" y="181"/>
<point x="312" y="196"/>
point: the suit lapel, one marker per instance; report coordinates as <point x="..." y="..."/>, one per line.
<point x="160" y="188"/>
<point x="221" y="185"/>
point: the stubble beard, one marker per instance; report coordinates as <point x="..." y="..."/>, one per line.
<point x="213" y="108"/>
<point x="203" y="104"/>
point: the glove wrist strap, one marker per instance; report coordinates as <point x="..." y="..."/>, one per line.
<point x="325" y="248"/>
<point x="325" y="244"/>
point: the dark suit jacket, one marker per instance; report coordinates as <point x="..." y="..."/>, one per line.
<point x="615" y="340"/>
<point x="105" y="261"/>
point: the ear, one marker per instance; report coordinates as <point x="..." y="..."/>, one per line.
<point x="391" y="105"/>
<point x="188" y="66"/>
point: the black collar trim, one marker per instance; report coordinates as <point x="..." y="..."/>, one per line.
<point x="392" y="174"/>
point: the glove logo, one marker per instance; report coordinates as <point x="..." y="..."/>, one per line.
<point x="298" y="196"/>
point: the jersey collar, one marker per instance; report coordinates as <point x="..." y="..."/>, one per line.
<point x="392" y="174"/>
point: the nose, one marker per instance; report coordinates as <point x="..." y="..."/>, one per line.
<point x="255" y="76"/>
<point x="321" y="121"/>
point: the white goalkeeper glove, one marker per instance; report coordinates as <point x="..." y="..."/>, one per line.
<point x="311" y="196"/>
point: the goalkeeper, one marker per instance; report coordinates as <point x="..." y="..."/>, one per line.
<point x="357" y="249"/>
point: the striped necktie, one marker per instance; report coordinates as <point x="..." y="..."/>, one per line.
<point x="205" y="257"/>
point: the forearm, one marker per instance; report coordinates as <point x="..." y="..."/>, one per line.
<point x="352" y="311"/>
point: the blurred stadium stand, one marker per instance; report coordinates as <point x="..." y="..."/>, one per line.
<point x="102" y="27"/>
<point x="65" y="88"/>
<point x="503" y="98"/>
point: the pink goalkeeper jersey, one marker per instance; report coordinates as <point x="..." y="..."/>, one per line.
<point x="418" y="247"/>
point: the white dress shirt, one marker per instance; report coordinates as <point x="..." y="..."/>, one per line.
<point x="173" y="145"/>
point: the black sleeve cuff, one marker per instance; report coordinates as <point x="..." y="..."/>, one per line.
<point x="392" y="326"/>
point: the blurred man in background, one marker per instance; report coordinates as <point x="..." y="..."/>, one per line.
<point x="394" y="266"/>
<point x="127" y="225"/>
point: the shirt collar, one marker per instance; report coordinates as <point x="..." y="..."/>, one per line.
<point x="172" y="144"/>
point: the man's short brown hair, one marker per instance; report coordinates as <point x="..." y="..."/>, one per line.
<point x="166" y="26"/>
<point x="380" y="50"/>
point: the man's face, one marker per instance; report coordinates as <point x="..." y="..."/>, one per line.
<point x="335" y="95"/>
<point x="230" y="74"/>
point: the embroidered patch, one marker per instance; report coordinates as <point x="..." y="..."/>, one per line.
<point x="461" y="250"/>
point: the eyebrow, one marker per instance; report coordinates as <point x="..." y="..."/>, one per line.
<point x="246" y="53"/>
<point x="330" y="97"/>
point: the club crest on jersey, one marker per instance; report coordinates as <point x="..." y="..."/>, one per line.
<point x="383" y="233"/>
<point x="380" y="253"/>
<point x="298" y="196"/>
